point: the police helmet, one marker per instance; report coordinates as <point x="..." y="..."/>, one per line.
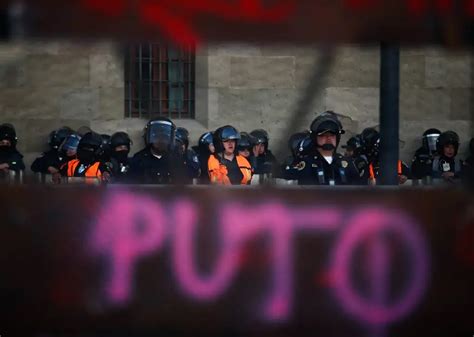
<point x="182" y="136"/>
<point x="261" y="136"/>
<point x="91" y="140"/>
<point x="295" y="140"/>
<point x="430" y="138"/>
<point x="353" y="143"/>
<point x="327" y="122"/>
<point x="305" y="146"/>
<point x="120" y="138"/>
<point x="370" y="142"/>
<point x="160" y="129"/>
<point x="205" y="140"/>
<point x="246" y="142"/>
<point x="447" y="138"/>
<point x="8" y="132"/>
<point x="223" y="134"/>
<point x="57" y="137"/>
<point x="71" y="142"/>
<point x="105" y="147"/>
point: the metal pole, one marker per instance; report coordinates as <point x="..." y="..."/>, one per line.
<point x="389" y="113"/>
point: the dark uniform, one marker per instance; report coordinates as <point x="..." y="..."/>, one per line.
<point x="203" y="152"/>
<point x="159" y="162"/>
<point x="8" y="153"/>
<point x="188" y="156"/>
<point x="149" y="168"/>
<point x="119" y="161"/>
<point x="367" y="153"/>
<point x="443" y="164"/>
<point x="51" y="158"/>
<point x="374" y="168"/>
<point x="315" y="169"/>
<point x="422" y="164"/>
<point x="264" y="163"/>
<point x="295" y="144"/>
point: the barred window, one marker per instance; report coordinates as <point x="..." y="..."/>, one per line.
<point x="159" y="81"/>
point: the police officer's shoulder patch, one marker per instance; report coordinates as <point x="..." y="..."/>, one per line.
<point x="301" y="165"/>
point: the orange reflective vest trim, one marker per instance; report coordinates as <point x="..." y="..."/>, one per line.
<point x="372" y="173"/>
<point x="91" y="172"/>
<point x="218" y="171"/>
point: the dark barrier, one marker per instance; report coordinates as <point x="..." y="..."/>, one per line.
<point x="235" y="262"/>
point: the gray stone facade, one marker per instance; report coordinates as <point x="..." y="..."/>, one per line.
<point x="45" y="85"/>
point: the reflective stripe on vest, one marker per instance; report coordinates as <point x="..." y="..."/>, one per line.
<point x="372" y="173"/>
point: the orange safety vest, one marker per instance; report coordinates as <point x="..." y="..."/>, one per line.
<point x="91" y="172"/>
<point x="372" y="173"/>
<point x="218" y="171"/>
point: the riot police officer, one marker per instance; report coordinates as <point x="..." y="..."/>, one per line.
<point x="50" y="161"/>
<point x="445" y="165"/>
<point x="10" y="158"/>
<point x="226" y="166"/>
<point x="188" y="155"/>
<point x="245" y="145"/>
<point x="105" y="148"/>
<point x="422" y="163"/>
<point x="204" y="150"/>
<point x="323" y="165"/>
<point x="120" y="145"/>
<point x="159" y="162"/>
<point x="296" y="144"/>
<point x="368" y="162"/>
<point x="262" y="159"/>
<point x="87" y="164"/>
<point x="353" y="147"/>
<point x="68" y="149"/>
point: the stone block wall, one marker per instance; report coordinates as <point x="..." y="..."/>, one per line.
<point x="45" y="85"/>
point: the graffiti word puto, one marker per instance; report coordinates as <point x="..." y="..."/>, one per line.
<point x="132" y="226"/>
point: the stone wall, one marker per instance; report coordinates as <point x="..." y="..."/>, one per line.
<point x="46" y="85"/>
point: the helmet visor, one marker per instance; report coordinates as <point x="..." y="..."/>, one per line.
<point x="431" y="141"/>
<point x="71" y="143"/>
<point x="230" y="134"/>
<point x="162" y="132"/>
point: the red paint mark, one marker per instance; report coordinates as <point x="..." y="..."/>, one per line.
<point x="172" y="25"/>
<point x="176" y="17"/>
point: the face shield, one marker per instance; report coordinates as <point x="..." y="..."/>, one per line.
<point x="431" y="141"/>
<point x="70" y="143"/>
<point x="161" y="134"/>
